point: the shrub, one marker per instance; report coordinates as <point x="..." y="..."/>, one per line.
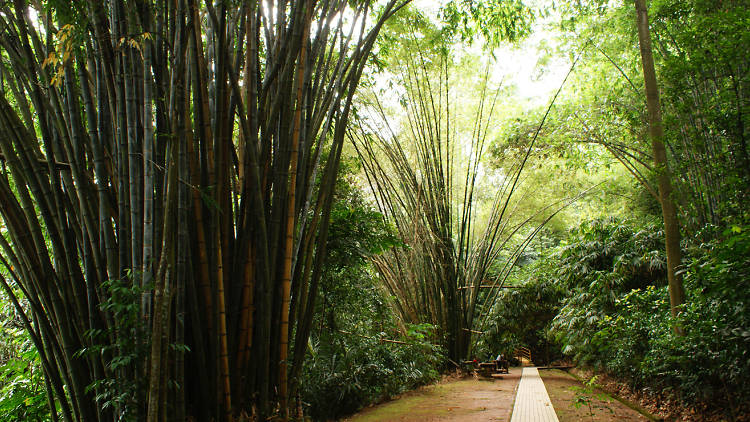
<point x="22" y="392"/>
<point x="346" y="372"/>
<point x="616" y="315"/>
<point x="711" y="362"/>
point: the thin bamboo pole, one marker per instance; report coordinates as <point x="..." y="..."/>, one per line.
<point x="291" y="215"/>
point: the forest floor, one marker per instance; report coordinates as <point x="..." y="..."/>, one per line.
<point x="469" y="399"/>
<point x="667" y="408"/>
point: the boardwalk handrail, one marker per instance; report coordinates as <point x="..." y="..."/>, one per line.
<point x="523" y="352"/>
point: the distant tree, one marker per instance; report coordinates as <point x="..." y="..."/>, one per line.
<point x="661" y="165"/>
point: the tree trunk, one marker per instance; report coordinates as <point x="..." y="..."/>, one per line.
<point x="656" y="131"/>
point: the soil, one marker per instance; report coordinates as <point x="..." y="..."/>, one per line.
<point x="462" y="400"/>
<point x="563" y="391"/>
<point x="470" y="399"/>
<point x="480" y="399"/>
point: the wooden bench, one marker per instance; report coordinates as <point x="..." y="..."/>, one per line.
<point x="488" y="369"/>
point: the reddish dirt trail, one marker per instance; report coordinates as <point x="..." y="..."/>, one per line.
<point x="482" y="400"/>
<point x="461" y="400"/>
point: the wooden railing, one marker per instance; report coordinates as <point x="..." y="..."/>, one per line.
<point x="523" y="352"/>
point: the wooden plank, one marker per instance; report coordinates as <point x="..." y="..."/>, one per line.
<point x="532" y="401"/>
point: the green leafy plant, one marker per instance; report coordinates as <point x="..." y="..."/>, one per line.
<point x="522" y="315"/>
<point x="126" y="347"/>
<point x="358" y="352"/>
<point x="585" y="395"/>
<point x="615" y="316"/>
<point x="22" y="393"/>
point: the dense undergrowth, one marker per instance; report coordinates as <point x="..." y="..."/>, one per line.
<point x="345" y="373"/>
<point x="612" y="311"/>
<point x="358" y="352"/>
<point x="22" y="393"/>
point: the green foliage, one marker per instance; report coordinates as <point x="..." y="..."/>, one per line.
<point x="490" y="22"/>
<point x="22" y="385"/>
<point x="616" y="316"/>
<point x="22" y="393"/>
<point x="571" y="157"/>
<point x="585" y="395"/>
<point x="703" y="47"/>
<point x="346" y="372"/>
<point x="399" y="32"/>
<point x="494" y="20"/>
<point x="605" y="264"/>
<point x="710" y="362"/>
<point x="609" y="246"/>
<point x="699" y="50"/>
<point x="125" y="347"/>
<point x="357" y="352"/>
<point x="522" y="315"/>
<point x="357" y="231"/>
<point x="68" y="12"/>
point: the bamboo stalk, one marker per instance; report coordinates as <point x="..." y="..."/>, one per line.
<point x="291" y="214"/>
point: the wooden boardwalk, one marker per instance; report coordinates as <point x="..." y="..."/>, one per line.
<point x="532" y="401"/>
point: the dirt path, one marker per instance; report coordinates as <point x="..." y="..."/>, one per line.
<point x="482" y="400"/>
<point x="465" y="400"/>
<point x="563" y="390"/>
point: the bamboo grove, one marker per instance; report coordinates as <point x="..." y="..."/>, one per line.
<point x="424" y="172"/>
<point x="168" y="173"/>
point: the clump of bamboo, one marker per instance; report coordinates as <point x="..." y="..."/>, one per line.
<point x="424" y="173"/>
<point x="170" y="149"/>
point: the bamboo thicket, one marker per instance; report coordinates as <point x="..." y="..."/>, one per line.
<point x="158" y="193"/>
<point x="425" y="173"/>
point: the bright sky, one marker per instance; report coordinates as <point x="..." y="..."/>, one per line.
<point x="519" y="64"/>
